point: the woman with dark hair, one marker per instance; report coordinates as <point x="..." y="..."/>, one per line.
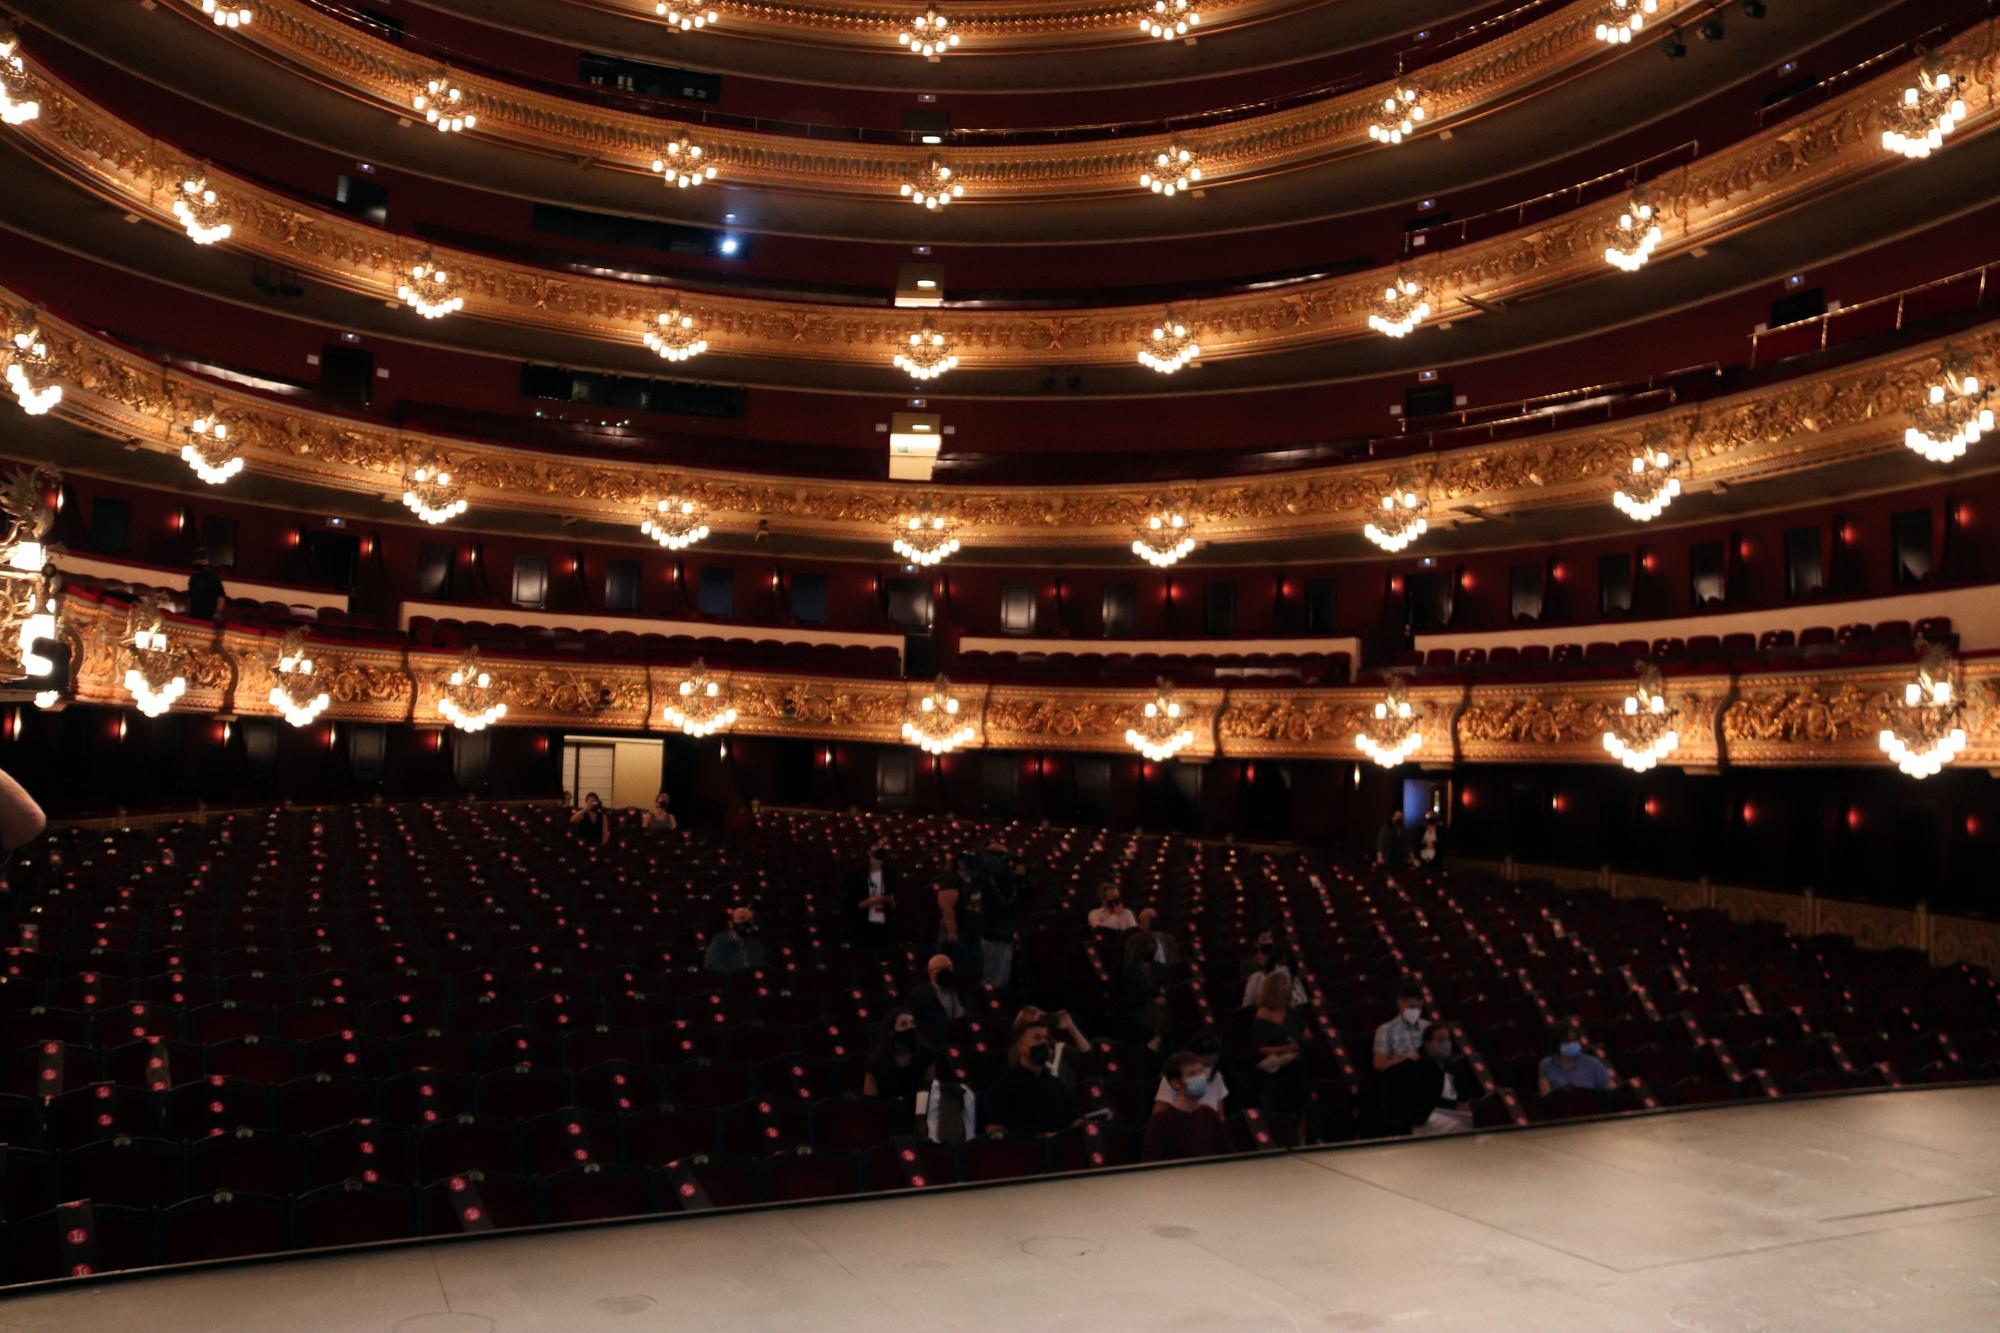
<point x="1275" y="1050"/>
<point x="899" y="1063"/>
<point x="592" y="822"/>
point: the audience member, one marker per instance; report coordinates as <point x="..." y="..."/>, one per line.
<point x="1000" y="906"/>
<point x="1430" y="842"/>
<point x="1029" y="1099"/>
<point x="735" y="947"/>
<point x="1142" y="995"/>
<point x="1184" y="1125"/>
<point x="937" y="1004"/>
<point x="899" y="1064"/>
<point x="1068" y="1039"/>
<point x="959" y="926"/>
<point x="1276" y="1050"/>
<point x="1111" y="912"/>
<point x="592" y="822"/>
<point x="1402" y="1038"/>
<point x="1277" y="961"/>
<point x="1434" y="1091"/>
<point x="875" y="904"/>
<point x="1253" y="963"/>
<point x="659" y="818"/>
<point x="1166" y="949"/>
<point x="1392" y="843"/>
<point x="1206" y="1047"/>
<point x="204" y="588"/>
<point x="1572" y="1066"/>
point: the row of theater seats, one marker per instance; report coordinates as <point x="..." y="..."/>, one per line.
<point x="1107" y="666"/>
<point x="597" y="645"/>
<point x="1700" y="654"/>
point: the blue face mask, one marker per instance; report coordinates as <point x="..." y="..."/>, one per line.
<point x="1197" y="1086"/>
<point x="1571" y="1049"/>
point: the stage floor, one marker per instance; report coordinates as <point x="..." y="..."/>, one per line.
<point x="1871" y="1212"/>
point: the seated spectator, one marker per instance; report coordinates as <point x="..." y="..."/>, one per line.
<point x="1277" y="963"/>
<point x="1401" y="1039"/>
<point x="1435" y="1090"/>
<point x="735" y="947"/>
<point x="1029" y="1099"/>
<point x="591" y="824"/>
<point x="1070" y="1043"/>
<point x="899" y="1064"/>
<point x="659" y="818"/>
<point x="874" y="904"/>
<point x="1166" y="949"/>
<point x="204" y="588"/>
<point x="1572" y="1066"/>
<point x="1254" y="962"/>
<point x="1142" y="995"/>
<point x="1184" y="1125"/>
<point x="1111" y="912"/>
<point x="1276" y="1050"/>
<point x="1207" y="1048"/>
<point x="938" y="1004"/>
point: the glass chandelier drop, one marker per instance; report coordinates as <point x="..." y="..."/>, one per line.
<point x="933" y="725"/>
<point x="202" y="215"/>
<point x="680" y="163"/>
<point x="675" y="336"/>
<point x="699" y="705"/>
<point x="430" y="492"/>
<point x="1650" y="487"/>
<point x="1170" y="346"/>
<point x="467" y="698"/>
<point x="1927" y="730"/>
<point x="27" y="607"/>
<point x="1953" y="416"/>
<point x="933" y="187"/>
<point x="154" y="675"/>
<point x="1634" y="238"/>
<point x="19" y="100"/>
<point x="1402" y="111"/>
<point x="926" y="539"/>
<point x="928" y="34"/>
<point x="686" y="20"/>
<point x="1404" y="305"/>
<point x="227" y="15"/>
<point x="31" y="372"/>
<point x="1175" y="169"/>
<point x="1169" y="19"/>
<point x="1396" y="730"/>
<point x="295" y="689"/>
<point x="928" y="355"/>
<point x="1642" y="733"/>
<point x="429" y="290"/>
<point x="1620" y="19"/>
<point x="209" y="450"/>
<point x="1928" y="110"/>
<point x="1165" y="538"/>
<point x="1403" y="517"/>
<point x="443" y="104"/>
<point x="675" y="523"/>
<point x="1161" y="733"/>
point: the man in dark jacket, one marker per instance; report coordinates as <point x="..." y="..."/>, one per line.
<point x="1435" y="1090"/>
<point x="204" y="590"/>
<point x="1392" y="846"/>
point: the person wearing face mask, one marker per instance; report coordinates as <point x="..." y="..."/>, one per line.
<point x="1435" y="1089"/>
<point x="1065" y="1034"/>
<point x="735" y="947"/>
<point x="1111" y="912"/>
<point x="938" y="1004"/>
<point x="1277" y="962"/>
<point x="1571" y="1066"/>
<point x="1253" y="963"/>
<point x="1166" y="949"/>
<point x="899" y="1065"/>
<point x="1184" y="1125"/>
<point x="1401" y="1039"/>
<point x="1029" y="1099"/>
<point x="1206" y="1048"/>
<point x="874" y="904"/>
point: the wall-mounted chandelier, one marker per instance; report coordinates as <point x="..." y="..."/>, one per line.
<point x="927" y="34"/>
<point x="933" y="186"/>
<point x="31" y="371"/>
<point x="155" y="671"/>
<point x="203" y="216"/>
<point x="429" y="290"/>
<point x="467" y="697"/>
<point x="926" y="538"/>
<point x="1400" y="114"/>
<point x="1404" y="305"/>
<point x="213" y="454"/>
<point x="1652" y="484"/>
<point x="1925" y="113"/>
<point x="1174" y="170"/>
<point x="932" y="723"/>
<point x="1169" y="19"/>
<point x="674" y="335"/>
<point x="443" y="104"/>
<point x="1618" y="20"/>
<point x="27" y="607"/>
<point x="928" y="354"/>
<point x="295" y="688"/>
<point x="1953" y="416"/>
<point x="1169" y="346"/>
<point x="681" y="163"/>
<point x="1396" y="730"/>
<point x="1634" y="239"/>
<point x="432" y="493"/>
<point x="699" y="704"/>
<point x="1402" y="517"/>
<point x="226" y="14"/>
<point x="1927" y="730"/>
<point x="1642" y="732"/>
<point x="675" y="523"/>
<point x="687" y="20"/>
<point x="1161" y="732"/>
<point x="20" y="100"/>
<point x="1165" y="537"/>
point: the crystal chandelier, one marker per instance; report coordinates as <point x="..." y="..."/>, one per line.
<point x="700" y="705"/>
<point x="227" y="15"/>
<point x="431" y="494"/>
<point x="467" y="698"/>
<point x="295" y="689"/>
<point x="202" y="215"/>
<point x="209" y="450"/>
<point x="926" y="538"/>
<point x="685" y="20"/>
<point x="1620" y="19"/>
<point x="1952" y="417"/>
<point x="1649" y="488"/>
<point x="929" y="35"/>
<point x="1641" y="734"/>
<point x="1928" y="110"/>
<point x="18" y="101"/>
<point x="1170" y="19"/>
<point x="680" y="163"/>
<point x="1402" y="111"/>
<point x="1634" y="238"/>
<point x="933" y="726"/>
<point x="27" y="607"/>
<point x="429" y="290"/>
<point x="675" y="336"/>
<point x="1927" y="730"/>
<point x="1161" y="734"/>
<point x="933" y="187"/>
<point x="928" y="355"/>
<point x="1164" y="538"/>
<point x="675" y="523"/>
<point x="155" y="676"/>
<point x="1403" y="517"/>
<point x="1174" y="170"/>
<point x="1403" y="306"/>
<point x="27" y="363"/>
<point x="1170" y="346"/>
<point x="443" y="104"/>
<point x="1396" y="730"/>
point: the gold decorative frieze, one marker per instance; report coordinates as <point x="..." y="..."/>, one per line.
<point x="1566" y="722"/>
<point x="1837" y="718"/>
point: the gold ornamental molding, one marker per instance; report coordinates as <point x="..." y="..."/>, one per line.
<point x="1787" y="167"/>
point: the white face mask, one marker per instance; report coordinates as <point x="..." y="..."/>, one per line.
<point x="1413" y="1015"/>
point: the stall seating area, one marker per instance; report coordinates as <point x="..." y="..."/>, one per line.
<point x="315" y="1027"/>
<point x="1105" y="666"/>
